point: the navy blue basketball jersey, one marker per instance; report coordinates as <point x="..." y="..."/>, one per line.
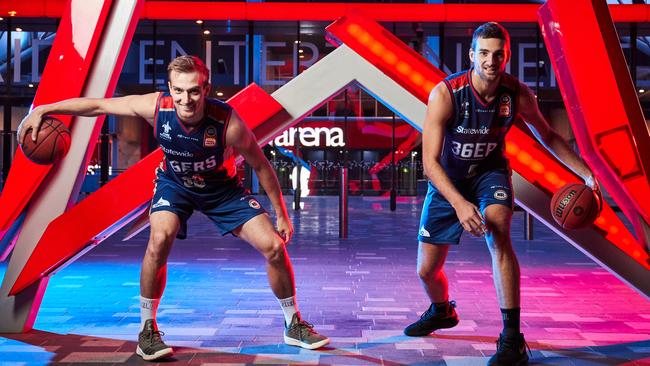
<point x="474" y="135"/>
<point x="198" y="160"/>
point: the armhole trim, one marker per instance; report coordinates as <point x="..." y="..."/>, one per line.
<point x="155" y="115"/>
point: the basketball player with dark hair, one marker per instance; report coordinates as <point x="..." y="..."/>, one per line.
<point x="467" y="118"/>
<point x="198" y="136"/>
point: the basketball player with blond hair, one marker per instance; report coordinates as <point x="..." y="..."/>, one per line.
<point x="198" y="136"/>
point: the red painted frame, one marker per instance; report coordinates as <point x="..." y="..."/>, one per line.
<point x="611" y="135"/>
<point x="279" y="11"/>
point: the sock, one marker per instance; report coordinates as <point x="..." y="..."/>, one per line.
<point x="511" y="322"/>
<point x="441" y="307"/>
<point x="148" y="308"/>
<point x="289" y="307"/>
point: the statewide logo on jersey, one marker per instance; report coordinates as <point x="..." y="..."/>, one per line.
<point x="483" y="130"/>
<point x="501" y="195"/>
<point x="165" y="134"/>
<point x="254" y="204"/>
<point x="505" y="106"/>
<point x="161" y="202"/>
<point x="173" y="152"/>
<point x="424" y="232"/>
<point x="210" y="137"/>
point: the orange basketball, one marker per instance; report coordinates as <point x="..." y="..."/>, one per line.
<point x="52" y="142"/>
<point x="575" y="206"/>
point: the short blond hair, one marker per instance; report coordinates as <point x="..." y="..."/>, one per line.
<point x="188" y="64"/>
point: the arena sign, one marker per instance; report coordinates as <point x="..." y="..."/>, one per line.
<point x="311" y="137"/>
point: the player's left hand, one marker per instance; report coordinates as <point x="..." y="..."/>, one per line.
<point x="285" y="228"/>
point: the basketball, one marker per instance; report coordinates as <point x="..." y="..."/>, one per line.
<point x="52" y="142"/>
<point x="575" y="206"/>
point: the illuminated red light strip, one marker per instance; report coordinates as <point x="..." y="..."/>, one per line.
<point x="526" y="155"/>
<point x="281" y="11"/>
<point x="533" y="162"/>
<point x="386" y="52"/>
<point x="614" y="139"/>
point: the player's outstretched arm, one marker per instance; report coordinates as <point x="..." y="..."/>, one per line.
<point x="439" y="111"/>
<point x="131" y="105"/>
<point x="239" y="136"/>
<point x="531" y="114"/>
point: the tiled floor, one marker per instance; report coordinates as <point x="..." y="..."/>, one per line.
<point x="361" y="291"/>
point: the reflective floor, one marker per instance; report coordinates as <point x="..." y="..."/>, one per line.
<point x="360" y="291"/>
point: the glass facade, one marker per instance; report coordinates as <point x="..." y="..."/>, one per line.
<point x="353" y="129"/>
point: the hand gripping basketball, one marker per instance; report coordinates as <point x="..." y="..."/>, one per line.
<point x="52" y="142"/>
<point x="575" y="206"/>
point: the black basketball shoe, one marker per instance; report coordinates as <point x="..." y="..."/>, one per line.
<point x="511" y="351"/>
<point x="431" y="320"/>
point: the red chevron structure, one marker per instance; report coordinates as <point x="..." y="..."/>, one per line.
<point x="528" y="158"/>
<point x="64" y="77"/>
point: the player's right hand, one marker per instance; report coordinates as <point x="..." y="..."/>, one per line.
<point x="33" y="120"/>
<point x="471" y="219"/>
<point x="284" y="228"/>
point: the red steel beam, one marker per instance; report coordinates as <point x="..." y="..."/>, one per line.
<point x="64" y="77"/>
<point x="282" y="11"/>
<point x="601" y="101"/>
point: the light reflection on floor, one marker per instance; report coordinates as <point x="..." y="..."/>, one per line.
<point x="360" y="291"/>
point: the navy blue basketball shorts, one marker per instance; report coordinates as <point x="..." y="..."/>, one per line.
<point x="439" y="223"/>
<point x="228" y="209"/>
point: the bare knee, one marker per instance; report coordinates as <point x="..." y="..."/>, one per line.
<point x="275" y="252"/>
<point x="428" y="271"/>
<point x="500" y="245"/>
<point x="498" y="238"/>
<point x="160" y="242"/>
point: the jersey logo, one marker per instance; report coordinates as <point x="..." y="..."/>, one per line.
<point x="254" y="204"/>
<point x="210" y="137"/>
<point x="464" y="109"/>
<point x="501" y="195"/>
<point x="505" y="106"/>
<point x="165" y="134"/>
<point x="161" y="202"/>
